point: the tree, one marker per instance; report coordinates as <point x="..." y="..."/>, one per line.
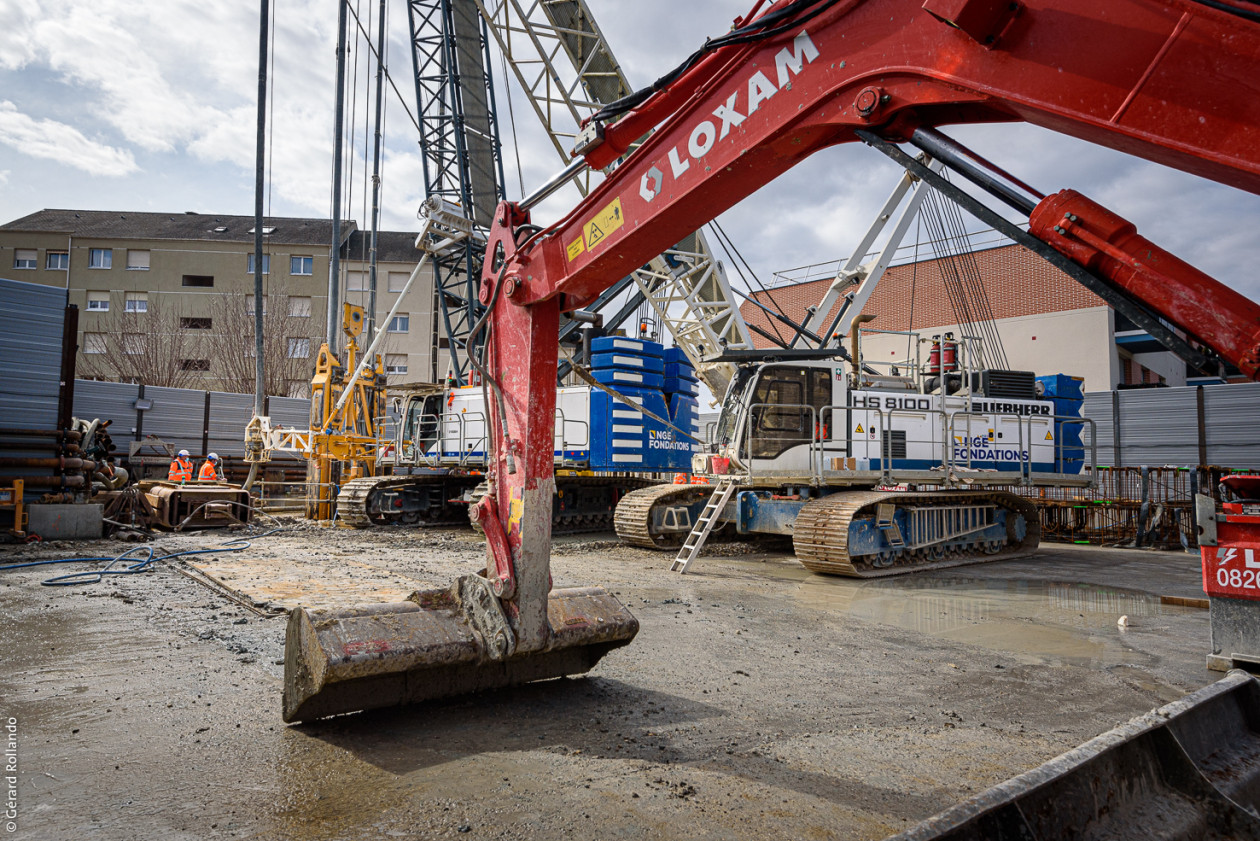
<point x="150" y="347"/>
<point x="291" y="341"/>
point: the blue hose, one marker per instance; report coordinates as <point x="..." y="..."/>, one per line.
<point x="95" y="576"/>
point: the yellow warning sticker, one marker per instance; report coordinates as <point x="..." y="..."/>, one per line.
<point x="516" y="511"/>
<point x="575" y="249"/>
<point x="859" y="430"/>
<point x="604" y="223"/>
<point x="990" y="434"/>
<point x="1049" y="437"/>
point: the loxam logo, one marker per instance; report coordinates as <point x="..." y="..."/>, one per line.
<point x="758" y="88"/>
<point x="1225" y="555"/>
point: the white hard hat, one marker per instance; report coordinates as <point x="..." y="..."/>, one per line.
<point x="184" y="453"/>
<point x="213" y="456"/>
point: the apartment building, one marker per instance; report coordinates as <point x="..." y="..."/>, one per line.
<point x="170" y="295"/>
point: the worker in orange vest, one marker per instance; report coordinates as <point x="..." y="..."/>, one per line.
<point x="210" y="470"/>
<point x="181" y="468"/>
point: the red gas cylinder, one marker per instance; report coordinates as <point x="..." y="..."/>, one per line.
<point x="934" y="357"/>
<point x="949" y="353"/>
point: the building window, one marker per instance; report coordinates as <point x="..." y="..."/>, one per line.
<point x="100" y="258"/>
<point x="395" y="363"/>
<point x="301" y="265"/>
<point x="250" y="306"/>
<point x="25" y="258"/>
<point x="267" y="231"/>
<point x="198" y="280"/>
<point x="137" y="302"/>
<point x="98" y="301"/>
<point x="299" y="348"/>
<point x="266" y="264"/>
<point x="194" y="323"/>
<point x="400" y="324"/>
<point x="194" y="364"/>
<point x="93" y="342"/>
<point x="299" y="307"/>
<point x="356" y="281"/>
<point x="133" y="344"/>
<point x="397" y="280"/>
<point x="57" y="261"/>
<point x="137" y="261"/>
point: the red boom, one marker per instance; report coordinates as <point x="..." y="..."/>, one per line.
<point x="1175" y="81"/>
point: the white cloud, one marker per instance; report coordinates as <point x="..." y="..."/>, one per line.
<point x="62" y="143"/>
<point x="17" y="44"/>
<point x="4" y="177"/>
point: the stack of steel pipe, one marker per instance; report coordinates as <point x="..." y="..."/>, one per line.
<point x="44" y="460"/>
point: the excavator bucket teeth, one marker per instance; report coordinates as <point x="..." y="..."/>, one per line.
<point x="402" y="653"/>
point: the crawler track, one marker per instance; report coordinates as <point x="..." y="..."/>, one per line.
<point x="634" y="514"/>
<point x="822" y="532"/>
<point x="579" y="519"/>
<point x="354" y="504"/>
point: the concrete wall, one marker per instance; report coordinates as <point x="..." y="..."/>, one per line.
<point x="1074" y="342"/>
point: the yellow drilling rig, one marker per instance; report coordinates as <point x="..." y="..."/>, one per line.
<point x="345" y="431"/>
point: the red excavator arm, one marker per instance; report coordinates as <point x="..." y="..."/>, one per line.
<point x="1176" y="81"/>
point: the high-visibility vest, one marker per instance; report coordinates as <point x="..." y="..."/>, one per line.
<point x="208" y="472"/>
<point x="181" y="470"/>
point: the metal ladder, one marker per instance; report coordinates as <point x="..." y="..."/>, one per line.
<point x="700" y="531"/>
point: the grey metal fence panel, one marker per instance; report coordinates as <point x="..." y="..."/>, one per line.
<point x="1098" y="408"/>
<point x="109" y="401"/>
<point x="1159" y="426"/>
<point x="229" y="413"/>
<point x="177" y="417"/>
<point x="31" y="319"/>
<point x="290" y="412"/>
<point x="1233" y="424"/>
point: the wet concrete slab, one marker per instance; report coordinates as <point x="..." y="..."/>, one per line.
<point x="758" y="700"/>
<point x="272" y="583"/>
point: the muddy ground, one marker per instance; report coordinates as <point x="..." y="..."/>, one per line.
<point x="758" y="701"/>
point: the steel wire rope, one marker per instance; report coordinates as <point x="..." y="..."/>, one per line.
<point x="728" y="245"/>
<point x="973" y="283"/>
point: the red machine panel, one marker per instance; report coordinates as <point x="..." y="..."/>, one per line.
<point x="1231" y="569"/>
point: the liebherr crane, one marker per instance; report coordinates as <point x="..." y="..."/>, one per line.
<point x="1174" y="81"/>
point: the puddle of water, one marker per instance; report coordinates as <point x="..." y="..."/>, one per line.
<point x="1037" y="622"/>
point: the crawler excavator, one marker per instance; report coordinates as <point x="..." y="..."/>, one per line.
<point x="1175" y="81"/>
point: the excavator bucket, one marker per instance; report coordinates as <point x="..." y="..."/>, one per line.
<point x="1189" y="770"/>
<point x="437" y="644"/>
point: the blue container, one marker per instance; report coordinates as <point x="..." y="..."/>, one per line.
<point x="642" y="347"/>
<point x="633" y="379"/>
<point x="627" y="361"/>
<point x="1061" y="385"/>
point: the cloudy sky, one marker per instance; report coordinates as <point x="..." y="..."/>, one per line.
<point x="118" y="105"/>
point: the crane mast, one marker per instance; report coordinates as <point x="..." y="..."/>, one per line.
<point x="460" y="150"/>
<point x="566" y="68"/>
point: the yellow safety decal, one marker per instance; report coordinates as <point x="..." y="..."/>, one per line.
<point x="1049" y="437"/>
<point x="576" y="248"/>
<point x="604" y="223"/>
<point x="990" y="434"/>
<point x="517" y="511"/>
<point x="859" y="430"/>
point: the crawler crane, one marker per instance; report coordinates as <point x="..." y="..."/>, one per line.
<point x="1175" y="81"/>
